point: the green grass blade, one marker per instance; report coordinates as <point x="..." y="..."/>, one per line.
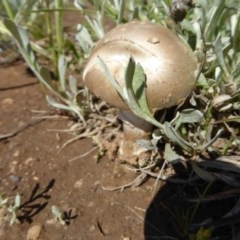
<point x="215" y="15"/>
<point x="9" y="9"/>
<point x="59" y="26"/>
<point x="121" y="11"/>
<point x="220" y="56"/>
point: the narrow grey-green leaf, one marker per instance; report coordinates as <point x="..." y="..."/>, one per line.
<point x="84" y="39"/>
<point x="208" y="144"/>
<point x="45" y="74"/>
<point x="79" y="4"/>
<point x="121" y="11"/>
<point x="11" y="26"/>
<point x="135" y="14"/>
<point x="109" y="76"/>
<point x="128" y="91"/>
<point x="20" y="34"/>
<point x="73" y="84"/>
<point x="207" y="176"/>
<point x="173" y="135"/>
<point x="220" y="56"/>
<point x="62" y="67"/>
<point x="17" y="201"/>
<point x="139" y="89"/>
<point x="24" y="7"/>
<point x="96" y="25"/>
<point x="57" y="105"/>
<point x="236" y="70"/>
<point x="170" y="155"/>
<point x="134" y="92"/>
<point x="129" y="73"/>
<point x="215" y="14"/>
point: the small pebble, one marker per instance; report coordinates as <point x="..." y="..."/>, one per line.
<point x="16" y="153"/>
<point x="7" y="102"/>
<point x="28" y="160"/>
<point x="35" y="178"/>
<point x="34" y="232"/>
<point x="15" y="178"/>
<point x="14" y="162"/>
<point x="78" y="184"/>
<point x="92" y="228"/>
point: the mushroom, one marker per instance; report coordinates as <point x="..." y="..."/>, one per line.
<point x="169" y="65"/>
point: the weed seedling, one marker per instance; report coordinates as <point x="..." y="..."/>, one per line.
<point x="58" y="215"/>
<point x="13" y="210"/>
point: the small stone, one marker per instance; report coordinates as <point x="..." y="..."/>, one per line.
<point x="92" y="228"/>
<point x="14" y="162"/>
<point x="90" y="204"/>
<point x="7" y="102"/>
<point x="16" y="153"/>
<point x="35" y="178"/>
<point x="28" y="160"/>
<point x="78" y="184"/>
<point x="34" y="232"/>
<point x="15" y="178"/>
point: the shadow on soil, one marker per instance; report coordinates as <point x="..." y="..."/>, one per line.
<point x="168" y="215"/>
<point x="68" y="216"/>
<point x="36" y="203"/>
<point x="158" y="221"/>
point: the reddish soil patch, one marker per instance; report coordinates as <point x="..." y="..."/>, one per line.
<point x="32" y="167"/>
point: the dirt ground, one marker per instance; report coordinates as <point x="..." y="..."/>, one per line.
<point x="31" y="165"/>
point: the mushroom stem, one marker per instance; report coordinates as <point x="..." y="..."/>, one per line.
<point x="134" y="128"/>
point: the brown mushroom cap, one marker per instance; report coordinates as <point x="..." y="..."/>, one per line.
<point x="168" y="63"/>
